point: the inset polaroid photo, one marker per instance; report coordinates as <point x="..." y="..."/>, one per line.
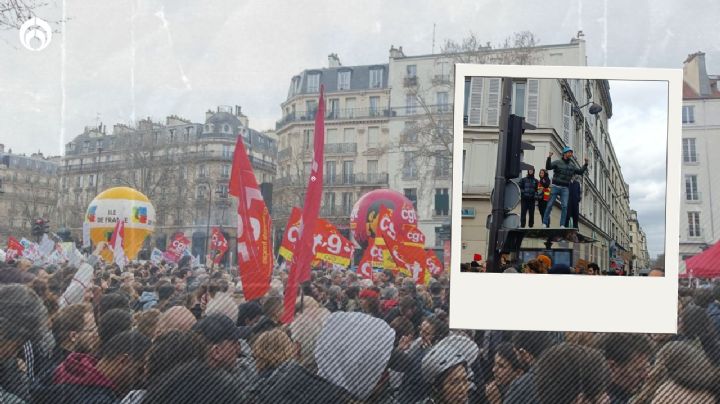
<point x="565" y="194"/>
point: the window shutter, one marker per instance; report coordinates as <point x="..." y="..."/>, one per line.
<point x="475" y="101"/>
<point x="533" y="98"/>
<point x="493" y="103"/>
<point x="566" y="122"/>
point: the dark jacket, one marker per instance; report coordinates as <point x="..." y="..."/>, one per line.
<point x="528" y="187"/>
<point x="77" y="380"/>
<point x="42" y="389"/>
<point x="522" y="390"/>
<point x="713" y="313"/>
<point x="575" y="192"/>
<point x="293" y="384"/>
<point x="563" y="170"/>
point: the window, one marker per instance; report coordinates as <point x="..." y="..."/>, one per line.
<point x="411" y="70"/>
<point x="376" y="76"/>
<point x="86" y="146"/>
<point x="442" y="101"/>
<point x="91" y="182"/>
<point x="329" y="202"/>
<point x="372" y="139"/>
<point x="202" y="171"/>
<point x="347" y="202"/>
<point x="374" y="103"/>
<point x="442" y="166"/>
<point x="349" y="135"/>
<point x="688" y="114"/>
<point x="410" y="132"/>
<point x="333" y="108"/>
<point x="172" y="136"/>
<point x="566" y="122"/>
<point x="411" y="194"/>
<point x="442" y="202"/>
<point x="344" y="80"/>
<point x="410" y="170"/>
<point x="226" y="128"/>
<point x="201" y="192"/>
<point x="313" y="85"/>
<point x="306" y="169"/>
<point x="518" y="100"/>
<point x="694" y="224"/>
<point x="223" y="190"/>
<point x="310" y="109"/>
<point x="410" y="104"/>
<point x="308" y="138"/>
<point x="492" y="112"/>
<point x="348" y="172"/>
<point x="691" y="188"/>
<point x="225" y="173"/>
<point x="349" y="107"/>
<point x="330" y="172"/>
<point x="227" y="151"/>
<point x="332" y="136"/>
<point x="372" y="167"/>
<point x="156" y="138"/>
<point x="689" y="152"/>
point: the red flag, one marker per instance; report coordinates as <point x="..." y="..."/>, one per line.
<point x="218" y="244"/>
<point x="292" y="234"/>
<point x="328" y="244"/>
<point x="300" y="265"/>
<point x="177" y="248"/>
<point x="254" y="246"/>
<point x="371" y="259"/>
<point x="406" y="252"/>
<point x="14" y="249"/>
<point x="116" y="243"/>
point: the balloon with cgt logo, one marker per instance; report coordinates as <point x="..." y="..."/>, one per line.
<point x="121" y="203"/>
<point x="364" y="216"/>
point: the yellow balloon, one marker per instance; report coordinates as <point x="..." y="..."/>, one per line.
<point x="128" y="205"/>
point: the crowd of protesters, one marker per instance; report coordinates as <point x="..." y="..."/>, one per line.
<point x="542" y="264"/>
<point x="175" y="334"/>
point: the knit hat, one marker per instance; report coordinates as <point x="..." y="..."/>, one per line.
<point x="451" y="351"/>
<point x="353" y="351"/>
<point x="545" y="260"/>
<point x="477" y="257"/>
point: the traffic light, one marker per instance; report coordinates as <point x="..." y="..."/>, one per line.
<point x="515" y="146"/>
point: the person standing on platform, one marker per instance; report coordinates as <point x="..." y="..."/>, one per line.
<point x="528" y="188"/>
<point x="574" y="204"/>
<point x="543" y="192"/>
<point x="563" y="169"/>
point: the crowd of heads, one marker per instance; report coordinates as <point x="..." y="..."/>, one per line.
<point x="542" y="264"/>
<point x="159" y="334"/>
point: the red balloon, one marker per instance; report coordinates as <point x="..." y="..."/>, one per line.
<point x="364" y="216"/>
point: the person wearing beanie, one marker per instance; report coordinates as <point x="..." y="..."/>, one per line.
<point x="564" y="169"/>
<point x="528" y="189"/>
<point x="476" y="262"/>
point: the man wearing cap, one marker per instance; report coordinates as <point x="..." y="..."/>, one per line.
<point x="223" y="340"/>
<point x="564" y="169"/>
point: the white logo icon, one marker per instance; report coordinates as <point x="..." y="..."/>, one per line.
<point x="38" y="29"/>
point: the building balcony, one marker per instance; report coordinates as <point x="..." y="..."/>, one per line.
<point x="441" y="79"/>
<point x="333" y="115"/>
<point x="262" y="164"/>
<point x="362" y="179"/>
<point x="341" y="148"/>
<point x="410" y="81"/>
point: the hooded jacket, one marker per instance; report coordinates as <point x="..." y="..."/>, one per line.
<point x="293" y="384"/>
<point x="528" y="186"/>
<point x="563" y="170"/>
<point x="78" y="380"/>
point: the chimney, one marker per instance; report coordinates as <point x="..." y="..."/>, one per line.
<point x="396" y="52"/>
<point x="695" y="74"/>
<point x="333" y="60"/>
<point x="208" y="114"/>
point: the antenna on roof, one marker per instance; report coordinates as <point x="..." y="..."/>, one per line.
<point x="433" y="42"/>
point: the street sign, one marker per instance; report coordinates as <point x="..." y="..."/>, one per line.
<point x="512" y="195"/>
<point x="510" y="221"/>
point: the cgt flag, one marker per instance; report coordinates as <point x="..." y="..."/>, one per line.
<point x="14" y="249"/>
<point x="328" y="244"/>
<point x="218" y="244"/>
<point x="300" y="267"/>
<point x="410" y="257"/>
<point x="177" y="248"/>
<point x="254" y="245"/>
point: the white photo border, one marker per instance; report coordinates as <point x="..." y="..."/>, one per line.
<point x="493" y="301"/>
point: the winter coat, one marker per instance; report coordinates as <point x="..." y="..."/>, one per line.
<point x="42" y="389"/>
<point x="147" y="301"/>
<point x="528" y="187"/>
<point x="563" y="170"/>
<point x="575" y="192"/>
<point x="7" y="398"/>
<point x="713" y="312"/>
<point x="78" y="380"/>
<point x="522" y="390"/>
<point x="543" y="188"/>
<point x="293" y="384"/>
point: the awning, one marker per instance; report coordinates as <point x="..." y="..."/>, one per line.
<point x="704" y="265"/>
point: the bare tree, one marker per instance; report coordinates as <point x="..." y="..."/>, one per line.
<point x="13" y="13"/>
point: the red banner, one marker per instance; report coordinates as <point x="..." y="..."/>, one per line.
<point x="177" y="248"/>
<point x="328" y="244"/>
<point x="409" y="255"/>
<point x="14" y="249"/>
<point x="292" y="234"/>
<point x="300" y="266"/>
<point x="218" y="245"/>
<point x="254" y="244"/>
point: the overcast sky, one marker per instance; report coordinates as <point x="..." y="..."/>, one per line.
<point x="125" y="60"/>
